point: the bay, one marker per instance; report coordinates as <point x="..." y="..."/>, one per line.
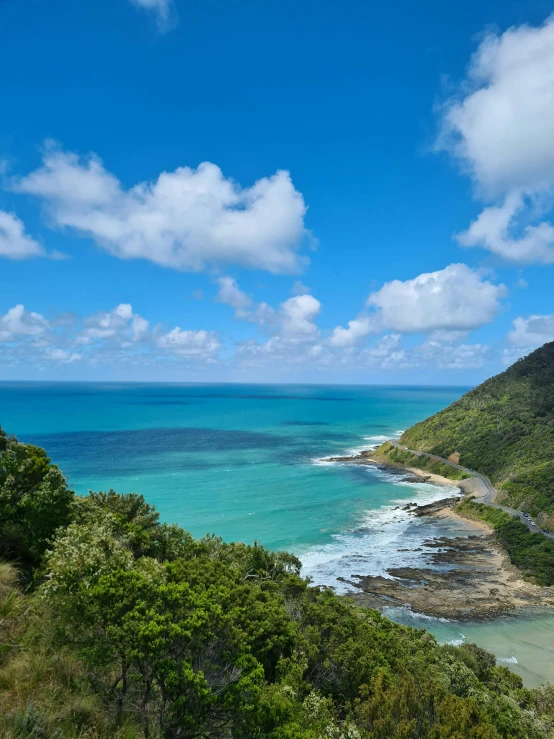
<point x="244" y="462"/>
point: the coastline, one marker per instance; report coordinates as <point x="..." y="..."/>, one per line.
<point x="468" y="578"/>
<point x="448" y="512"/>
<point x="365" y="457"/>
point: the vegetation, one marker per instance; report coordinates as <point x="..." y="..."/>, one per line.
<point x="504" y="429"/>
<point x="115" y="625"/>
<point x="532" y="553"/>
<point x="390" y="454"/>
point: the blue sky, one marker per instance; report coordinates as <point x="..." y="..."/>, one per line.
<point x="275" y="191"/>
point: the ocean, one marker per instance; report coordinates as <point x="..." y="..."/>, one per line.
<point x="244" y="462"/>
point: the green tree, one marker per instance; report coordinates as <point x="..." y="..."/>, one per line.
<point x="34" y="501"/>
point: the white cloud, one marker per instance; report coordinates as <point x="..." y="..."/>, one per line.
<point x="14" y="242"/>
<point x="107" y="337"/>
<point x="121" y="337"/>
<point x="449" y="355"/>
<point x="230" y="294"/>
<point x="296" y="335"/>
<point x="357" y="330"/>
<point x="387" y="353"/>
<point x="492" y="229"/>
<point x="18" y="323"/>
<point x="62" y="356"/>
<point x="199" y="345"/>
<point x="297" y="318"/>
<point x="498" y="125"/>
<point x="121" y="323"/>
<point x="455" y="298"/>
<point x="189" y="219"/>
<point x="165" y="12"/>
<point x="533" y="331"/>
<point x="245" y="308"/>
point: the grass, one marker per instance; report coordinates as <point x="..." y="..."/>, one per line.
<point x="390" y="454"/>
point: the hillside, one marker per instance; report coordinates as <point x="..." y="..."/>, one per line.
<point x="504" y="428"/>
<point x="114" y="625"/>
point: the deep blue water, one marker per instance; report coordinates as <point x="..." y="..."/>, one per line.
<point x="235" y="460"/>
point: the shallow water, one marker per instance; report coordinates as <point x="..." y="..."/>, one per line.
<point x="243" y="462"/>
<point x="522" y="642"/>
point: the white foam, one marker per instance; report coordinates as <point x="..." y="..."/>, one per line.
<point x="508" y="660"/>
<point x="323" y="462"/>
<point x="406" y="612"/>
<point x="376" y="438"/>
<point x="371" y="547"/>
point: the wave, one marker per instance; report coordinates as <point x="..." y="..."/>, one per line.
<point x="404" y="613"/>
<point x="508" y="660"/>
<point x="381" y="538"/>
<point x="455" y="642"/>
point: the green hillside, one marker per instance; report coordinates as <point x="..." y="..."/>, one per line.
<point x="504" y="429"/>
<point x="114" y="625"/>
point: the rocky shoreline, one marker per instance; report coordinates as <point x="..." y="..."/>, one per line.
<point x="468" y="578"/>
<point x="367" y="457"/>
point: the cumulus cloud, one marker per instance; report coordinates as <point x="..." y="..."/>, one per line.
<point x="496" y="127"/>
<point x="245" y="308"/>
<point x="493" y="227"/>
<point x="122" y="337"/>
<point x="120" y="323"/>
<point x="449" y="355"/>
<point x="200" y="345"/>
<point x="295" y="339"/>
<point x="14" y="242"/>
<point x="165" y="12"/>
<point x="19" y="322"/>
<point x="387" y="353"/>
<point x="188" y="219"/>
<point x="455" y="298"/>
<point x="533" y="331"/>
<point x="297" y="317"/>
<point x="107" y="337"/>
<point x="130" y="332"/>
<point x="62" y="356"/>
<point x="230" y="294"/>
<point x="357" y="330"/>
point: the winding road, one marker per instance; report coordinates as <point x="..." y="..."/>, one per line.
<point x="487" y="492"/>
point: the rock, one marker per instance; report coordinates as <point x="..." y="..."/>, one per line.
<point x="472" y="587"/>
<point x="431" y="508"/>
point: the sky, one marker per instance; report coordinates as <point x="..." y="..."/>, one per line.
<point x="277" y="191"/>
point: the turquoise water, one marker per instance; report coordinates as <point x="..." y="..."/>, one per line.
<point x="525" y="644"/>
<point x="244" y="462"/>
<point x="234" y="460"/>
